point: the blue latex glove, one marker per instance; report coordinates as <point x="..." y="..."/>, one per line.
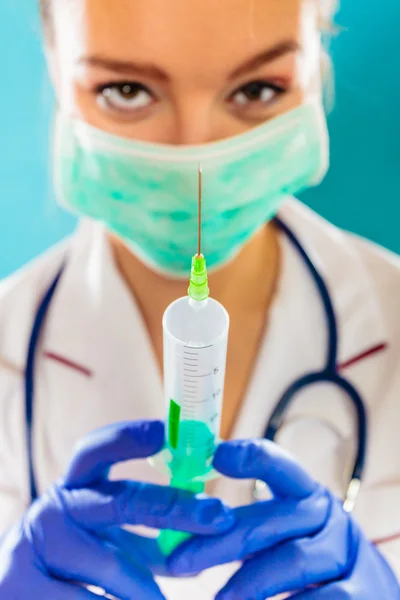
<point x="300" y="541"/>
<point x="59" y="546"/>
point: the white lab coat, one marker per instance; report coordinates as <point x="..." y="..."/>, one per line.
<point x="94" y="324"/>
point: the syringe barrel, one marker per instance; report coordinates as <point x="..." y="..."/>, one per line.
<point x="195" y="347"/>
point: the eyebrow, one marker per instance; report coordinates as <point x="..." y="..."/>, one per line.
<point x="266" y="56"/>
<point x="130" y="68"/>
<point x="125" y="67"/>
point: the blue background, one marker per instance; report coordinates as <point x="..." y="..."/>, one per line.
<point x="361" y="192"/>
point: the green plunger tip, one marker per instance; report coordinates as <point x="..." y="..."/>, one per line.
<point x="198" y="288"/>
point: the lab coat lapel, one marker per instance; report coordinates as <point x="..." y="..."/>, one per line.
<point x="96" y="364"/>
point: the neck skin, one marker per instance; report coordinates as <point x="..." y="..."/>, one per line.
<point x="245" y="288"/>
<point x="247" y="283"/>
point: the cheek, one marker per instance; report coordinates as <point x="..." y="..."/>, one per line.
<point x="293" y="100"/>
<point x="83" y="104"/>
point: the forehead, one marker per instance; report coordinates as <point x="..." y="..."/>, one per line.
<point x="160" y="30"/>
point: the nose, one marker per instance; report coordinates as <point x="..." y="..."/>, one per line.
<point x="199" y="120"/>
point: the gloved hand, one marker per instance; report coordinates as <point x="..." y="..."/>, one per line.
<point x="300" y="541"/>
<point x="59" y="547"/>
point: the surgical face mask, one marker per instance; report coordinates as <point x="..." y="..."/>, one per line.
<point x="147" y="193"/>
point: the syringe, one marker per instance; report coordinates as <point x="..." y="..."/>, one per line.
<point x="195" y="345"/>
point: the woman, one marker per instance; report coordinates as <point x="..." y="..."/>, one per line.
<point x="138" y="82"/>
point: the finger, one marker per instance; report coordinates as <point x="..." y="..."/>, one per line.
<point x="257" y="528"/>
<point x="87" y="559"/>
<point x="107" y="569"/>
<point x="295" y="565"/>
<point x="98" y="451"/>
<point x="112" y="503"/>
<point x="264" y="460"/>
<point x="142" y="550"/>
<point x="370" y="576"/>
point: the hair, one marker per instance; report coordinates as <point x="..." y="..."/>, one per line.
<point x="44" y="9"/>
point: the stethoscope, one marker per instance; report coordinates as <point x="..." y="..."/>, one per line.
<point x="329" y="374"/>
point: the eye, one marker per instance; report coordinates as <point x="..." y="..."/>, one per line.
<point x="256" y="93"/>
<point x="124" y="97"/>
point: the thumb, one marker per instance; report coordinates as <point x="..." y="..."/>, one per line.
<point x="264" y="460"/>
<point x="103" y="448"/>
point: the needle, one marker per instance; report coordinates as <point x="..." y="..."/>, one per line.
<point x="198" y="287"/>
<point x="200" y="172"/>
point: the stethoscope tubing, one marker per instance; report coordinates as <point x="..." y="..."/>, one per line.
<point x="30" y="375"/>
<point x="280" y="411"/>
<point x="329" y="374"/>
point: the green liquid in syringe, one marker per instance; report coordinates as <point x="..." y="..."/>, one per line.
<point x="192" y="446"/>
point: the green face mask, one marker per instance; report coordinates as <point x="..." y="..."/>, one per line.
<point x="147" y="193"/>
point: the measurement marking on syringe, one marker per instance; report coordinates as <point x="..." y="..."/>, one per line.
<point x="199" y="401"/>
<point x="200" y="376"/>
<point x="199" y="347"/>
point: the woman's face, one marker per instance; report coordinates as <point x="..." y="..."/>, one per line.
<point x="183" y="71"/>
